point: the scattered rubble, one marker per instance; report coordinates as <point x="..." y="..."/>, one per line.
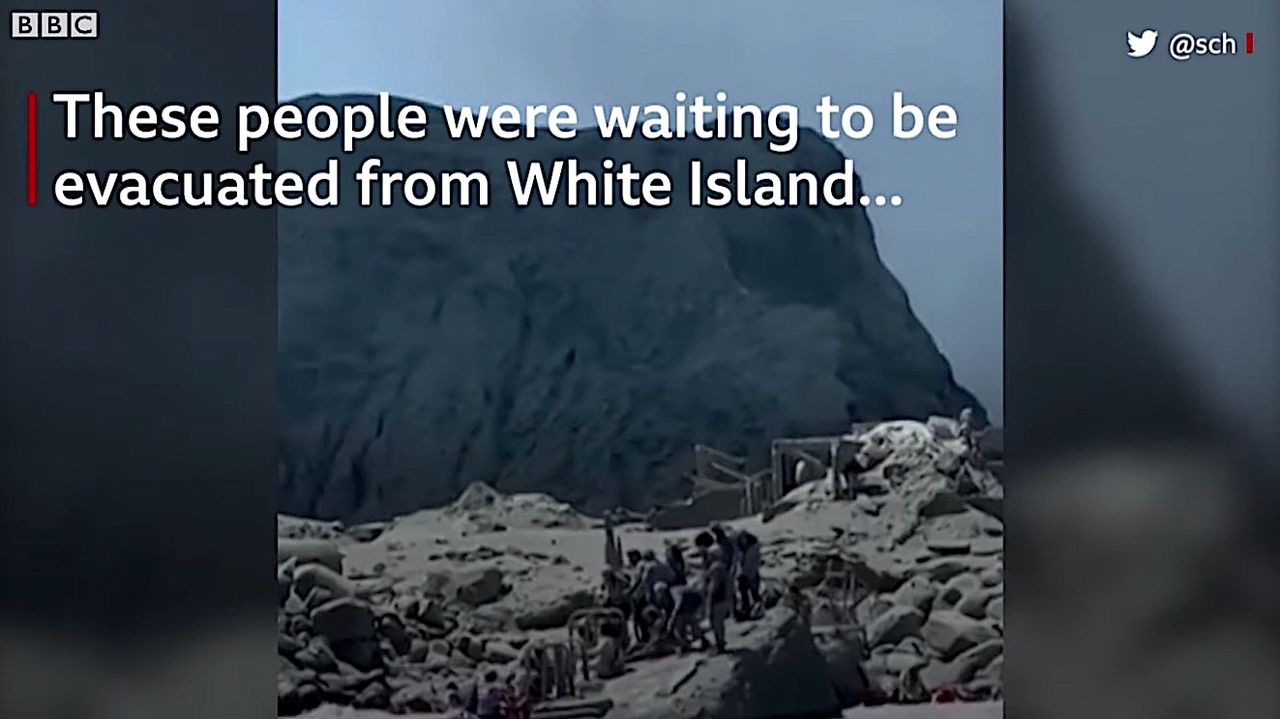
<point x="884" y="582"/>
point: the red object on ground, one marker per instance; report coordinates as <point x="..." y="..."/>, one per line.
<point x="945" y="695"/>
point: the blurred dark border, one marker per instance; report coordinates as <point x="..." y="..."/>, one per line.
<point x="138" y="404"/>
<point x="137" y="387"/>
<point x="1141" y="488"/>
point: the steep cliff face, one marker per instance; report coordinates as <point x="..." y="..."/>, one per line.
<point x="575" y="351"/>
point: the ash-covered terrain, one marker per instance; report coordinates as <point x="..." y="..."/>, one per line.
<point x="890" y="592"/>
<point x="577" y="352"/>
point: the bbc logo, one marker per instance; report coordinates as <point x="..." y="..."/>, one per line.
<point x="53" y="24"/>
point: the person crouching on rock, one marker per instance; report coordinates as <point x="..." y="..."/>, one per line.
<point x="728" y="547"/>
<point x="657" y="617"/>
<point x="652" y="573"/>
<point x="607" y="655"/>
<point x="720" y="595"/>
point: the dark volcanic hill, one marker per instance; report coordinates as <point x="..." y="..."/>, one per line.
<point x="580" y="352"/>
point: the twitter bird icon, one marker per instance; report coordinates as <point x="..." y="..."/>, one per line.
<point x="1142" y="45"/>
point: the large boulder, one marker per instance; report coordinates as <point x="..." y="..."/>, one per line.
<point x="895" y="624"/>
<point x="916" y="592"/>
<point x="955" y="589"/>
<point x="480" y="586"/>
<point x="975" y="602"/>
<point x="876" y="571"/>
<point x="960" y="670"/>
<point x="310" y="576"/>
<point x="295" y="694"/>
<point x="772" y="669"/>
<point x="343" y="619"/>
<point x="550" y="613"/>
<point x="936" y="498"/>
<point x="950" y="632"/>
<point x="473" y="587"/>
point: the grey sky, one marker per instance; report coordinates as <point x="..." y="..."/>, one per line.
<point x="944" y="243"/>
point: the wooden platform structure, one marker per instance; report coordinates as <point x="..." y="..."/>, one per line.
<point x="794" y="462"/>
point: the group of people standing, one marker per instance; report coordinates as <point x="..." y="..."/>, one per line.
<point x="665" y="601"/>
<point x="668" y="604"/>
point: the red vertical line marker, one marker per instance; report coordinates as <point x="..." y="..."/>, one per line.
<point x="31" y="149"/>
<point x="1248" y="43"/>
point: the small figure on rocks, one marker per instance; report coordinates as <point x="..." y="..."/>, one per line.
<point x="517" y="704"/>
<point x="675" y="560"/>
<point x="612" y="545"/>
<point x="607" y="655"/>
<point x="720" y="595"/>
<point x="967" y="433"/>
<point x="748" y="575"/>
<point x="911" y="689"/>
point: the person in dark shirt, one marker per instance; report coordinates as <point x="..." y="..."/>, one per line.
<point x="719" y="595"/>
<point x="704" y="541"/>
<point x="685" y="624"/>
<point x="748" y="573"/>
<point x="728" y="547"/>
<point x="675" y="560"/>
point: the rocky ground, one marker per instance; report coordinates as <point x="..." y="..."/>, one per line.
<point x="376" y="618"/>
